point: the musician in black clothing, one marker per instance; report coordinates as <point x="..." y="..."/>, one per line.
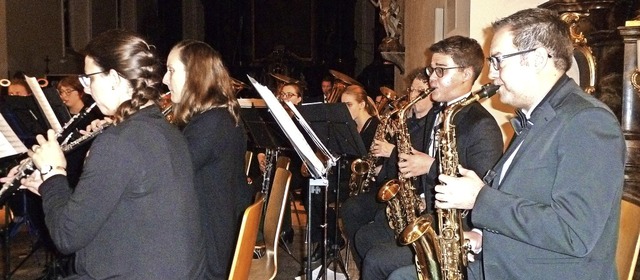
<point x="361" y="210"/>
<point x="364" y="114"/>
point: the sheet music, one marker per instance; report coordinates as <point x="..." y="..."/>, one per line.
<point x="311" y="133"/>
<point x="314" y="164"/>
<point x="44" y="105"/>
<point x="10" y="144"/>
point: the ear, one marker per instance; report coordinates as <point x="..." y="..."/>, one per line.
<point x="540" y="58"/>
<point x="467" y="73"/>
<point x="115" y="77"/>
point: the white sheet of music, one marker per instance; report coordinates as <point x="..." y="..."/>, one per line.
<point x="44" y="105"/>
<point x="10" y="144"/>
<point x="305" y="125"/>
<point x="299" y="143"/>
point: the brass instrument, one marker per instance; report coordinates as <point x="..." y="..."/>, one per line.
<point x="388" y="99"/>
<point x="359" y="183"/>
<point x="444" y="257"/>
<point x="42" y="82"/>
<point x="26" y="167"/>
<point x="340" y="83"/>
<point x="403" y="205"/>
<point x="363" y="170"/>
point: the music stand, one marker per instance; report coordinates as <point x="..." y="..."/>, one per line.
<point x="316" y="167"/>
<point x="337" y="130"/>
<point x="265" y="133"/>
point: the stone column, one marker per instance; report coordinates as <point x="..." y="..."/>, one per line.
<point x="631" y="112"/>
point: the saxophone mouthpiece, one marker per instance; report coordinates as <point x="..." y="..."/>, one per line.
<point x="488" y="90"/>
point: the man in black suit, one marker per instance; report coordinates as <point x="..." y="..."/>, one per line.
<point x="558" y="186"/>
<point x="456" y="63"/>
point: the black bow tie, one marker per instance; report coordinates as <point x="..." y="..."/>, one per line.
<point x="520" y="122"/>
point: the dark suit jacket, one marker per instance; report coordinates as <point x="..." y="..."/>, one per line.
<point x="555" y="214"/>
<point x="479" y="145"/>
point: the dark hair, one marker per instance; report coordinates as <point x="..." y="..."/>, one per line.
<point x="131" y="56"/>
<point x="208" y="83"/>
<point x="465" y="52"/>
<point x="420" y="74"/>
<point x="361" y="95"/>
<point x="328" y="78"/>
<point x="23" y="83"/>
<point x="537" y="27"/>
<point x="72" y="82"/>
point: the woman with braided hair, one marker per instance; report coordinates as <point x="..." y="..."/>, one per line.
<point x="131" y="214"/>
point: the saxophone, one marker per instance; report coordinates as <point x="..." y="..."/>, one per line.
<point x="363" y="170"/>
<point x="403" y="204"/>
<point x="444" y="256"/>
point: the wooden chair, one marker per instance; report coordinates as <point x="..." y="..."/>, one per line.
<point x="246" y="240"/>
<point x="283" y="162"/>
<point x="267" y="266"/>
<point x="628" y="240"/>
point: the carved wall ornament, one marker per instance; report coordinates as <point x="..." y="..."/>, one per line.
<point x="582" y="53"/>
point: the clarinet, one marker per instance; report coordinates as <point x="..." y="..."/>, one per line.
<point x="26" y="167"/>
<point x="73" y="119"/>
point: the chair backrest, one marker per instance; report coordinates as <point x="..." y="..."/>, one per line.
<point x="275" y="212"/>
<point x="248" y="155"/>
<point x="628" y="240"/>
<point x="283" y="162"/>
<point x="246" y="240"/>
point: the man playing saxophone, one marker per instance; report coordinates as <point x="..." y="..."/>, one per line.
<point x="559" y="184"/>
<point x="456" y="63"/>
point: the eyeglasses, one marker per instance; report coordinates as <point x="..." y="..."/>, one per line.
<point x="85" y="79"/>
<point x="286" y="95"/>
<point x="66" y="92"/>
<point x="439" y="70"/>
<point x="495" y="61"/>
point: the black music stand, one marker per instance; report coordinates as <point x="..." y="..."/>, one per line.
<point x="264" y="133"/>
<point x="335" y="128"/>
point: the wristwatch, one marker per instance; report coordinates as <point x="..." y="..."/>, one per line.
<point x="48" y="168"/>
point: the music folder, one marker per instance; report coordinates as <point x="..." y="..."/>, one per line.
<point x="10" y="144"/>
<point x="315" y="166"/>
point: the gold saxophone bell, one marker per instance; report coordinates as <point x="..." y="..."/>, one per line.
<point x="359" y="166"/>
<point x="389" y="190"/>
<point x="5" y="82"/>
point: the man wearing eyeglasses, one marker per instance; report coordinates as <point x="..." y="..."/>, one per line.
<point x="557" y="188"/>
<point x="456" y="63"/>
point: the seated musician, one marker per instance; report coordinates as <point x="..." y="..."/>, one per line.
<point x="456" y="63"/>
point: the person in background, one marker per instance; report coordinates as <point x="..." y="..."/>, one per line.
<point x="326" y="85"/>
<point x="558" y="187"/>
<point x="19" y="87"/>
<point x="130" y="216"/>
<point x="205" y="108"/>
